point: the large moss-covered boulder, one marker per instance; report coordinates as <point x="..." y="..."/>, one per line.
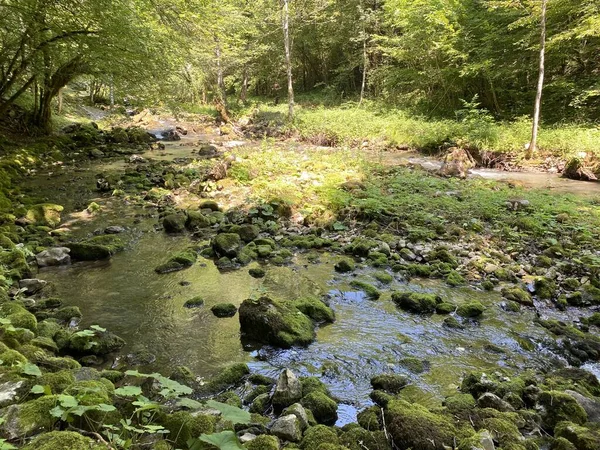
<point x="26" y="419"/>
<point x="414" y="426"/>
<point x="516" y="294"/>
<point x="16" y="262"/>
<point x="389" y="382"/>
<point x="65" y="440"/>
<point x="196" y="220"/>
<point x="95" y="342"/>
<point x="558" y="407"/>
<point x="263" y="442"/>
<point x="416" y="302"/>
<point x="45" y="214"/>
<point x="96" y="248"/>
<point x="275" y="322"/>
<point x="174" y="223"/>
<point x="248" y="232"/>
<point x="227" y="244"/>
<point x="19" y="317"/>
<point x="317" y="436"/>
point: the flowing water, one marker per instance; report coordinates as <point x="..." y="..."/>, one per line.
<point x="126" y="296"/>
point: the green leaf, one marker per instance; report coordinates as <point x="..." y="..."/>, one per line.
<point x="189" y="403"/>
<point x="85" y="333"/>
<point x="67" y="401"/>
<point x="98" y="328"/>
<point x="39" y="389"/>
<point x="231" y="413"/>
<point x="57" y="411"/>
<point x="129" y="391"/>
<point x="31" y="369"/>
<point x="225" y="440"/>
<point x="105" y="408"/>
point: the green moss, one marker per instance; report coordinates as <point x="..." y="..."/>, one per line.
<point x="227" y="244"/>
<point x="392" y="383"/>
<point x="318" y="435"/>
<point x="315" y="309"/>
<point x="96" y="248"/>
<point x="416" y="302"/>
<point x="263" y="442"/>
<point x="194" y="302"/>
<point x="179" y="261"/>
<point x="559" y="407"/>
<point x="358" y="439"/>
<point x="460" y="405"/>
<point x="324" y="409"/>
<point x="415" y="365"/>
<point x="369" y="418"/>
<point x="48" y="328"/>
<point x="19" y="317"/>
<point x="487" y="285"/>
<point x="174" y="223"/>
<point x="544" y="288"/>
<point x="591" y="294"/>
<point x="582" y="438"/>
<point x="257" y="272"/>
<point x="58" y="381"/>
<point x="228" y="377"/>
<point x="452" y="322"/>
<point x="196" y="220"/>
<point x="345" y="265"/>
<point x="371" y="291"/>
<point x="445" y="308"/>
<point x="67" y="313"/>
<point x="224" y="310"/>
<point x="58" y="363"/>
<point x="16" y="261"/>
<point x="114" y="376"/>
<point x="560" y="443"/>
<point x="184" y="426"/>
<point x="67" y="440"/>
<point x="414" y="426"/>
<point x="383" y="277"/>
<point x="313" y="384"/>
<point x="471" y="309"/>
<point x="12" y="358"/>
<point x="455" y="279"/>
<point x="260" y="404"/>
<point x="28" y="418"/>
<point x="229" y="398"/>
<point x="45" y="214"/>
<point x="516" y="294"/>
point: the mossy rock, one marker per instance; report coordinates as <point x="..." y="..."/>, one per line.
<point x="414" y="426"/>
<point x="184" y="426"/>
<point x="227" y="244"/>
<point x="389" y="382"/>
<point x="580" y="437"/>
<point x="257" y="272"/>
<point x="16" y="263"/>
<point x="415" y="365"/>
<point x="460" y="405"/>
<point x="471" y="309"/>
<point x="12" y="358"/>
<point x="445" y="308"/>
<point x="179" y="261"/>
<point x="260" y="404"/>
<point x="455" y="279"/>
<point x="101" y="343"/>
<point x="371" y="291"/>
<point x="263" y="442"/>
<point x="228" y="377"/>
<point x="359" y="439"/>
<point x="316" y="309"/>
<point x="96" y="248"/>
<point x="273" y="322"/>
<point x="345" y="265"/>
<point x="559" y="407"/>
<point x="26" y="419"/>
<point x="196" y="220"/>
<point x="19" y="317"/>
<point x="369" y="418"/>
<point x="516" y="294"/>
<point x="544" y="288"/>
<point x="223" y="310"/>
<point x="416" y="302"/>
<point x="248" y="232"/>
<point x="324" y="408"/>
<point x="174" y="223"/>
<point x="46" y="214"/>
<point x="313" y="384"/>
<point x="66" y="440"/>
<point x="194" y="302"/>
<point x="66" y="314"/>
<point x="317" y="436"/>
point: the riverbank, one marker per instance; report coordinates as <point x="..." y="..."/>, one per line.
<point x="410" y="267"/>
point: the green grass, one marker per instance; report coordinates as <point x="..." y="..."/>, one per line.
<point x="348" y="124"/>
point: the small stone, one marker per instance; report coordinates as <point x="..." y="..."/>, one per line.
<point x="298" y="410"/>
<point x="287" y="428"/>
<point x="288" y="389"/>
<point x="56" y="256"/>
<point x="32" y="285"/>
<point x="114" y="229"/>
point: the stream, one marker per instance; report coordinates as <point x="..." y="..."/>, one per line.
<point x="125" y="295"/>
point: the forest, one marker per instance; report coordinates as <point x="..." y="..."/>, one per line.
<point x="300" y="224"/>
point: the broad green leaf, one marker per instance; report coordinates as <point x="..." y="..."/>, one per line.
<point x="85" y="333"/>
<point x="67" y="401"/>
<point x="105" y="408"/>
<point x="57" y="411"/>
<point x="189" y="403"/>
<point x="39" y="389"/>
<point x="129" y="391"/>
<point x="98" y="328"/>
<point x="231" y="413"/>
<point x="31" y="369"/>
<point x="225" y="440"/>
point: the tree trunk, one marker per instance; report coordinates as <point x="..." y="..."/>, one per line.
<point x="220" y="78"/>
<point x="288" y="57"/>
<point x="538" y="98"/>
<point x="244" y="93"/>
<point x="111" y="94"/>
<point x="60" y="101"/>
<point x="364" y="75"/>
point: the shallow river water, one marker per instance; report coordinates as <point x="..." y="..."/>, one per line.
<point x="126" y="296"/>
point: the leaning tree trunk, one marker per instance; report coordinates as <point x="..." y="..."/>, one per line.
<point x="364" y="74"/>
<point x="288" y="57"/>
<point x="538" y="98"/>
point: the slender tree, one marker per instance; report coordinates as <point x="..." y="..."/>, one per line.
<point x="288" y="56"/>
<point x="538" y="98"/>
